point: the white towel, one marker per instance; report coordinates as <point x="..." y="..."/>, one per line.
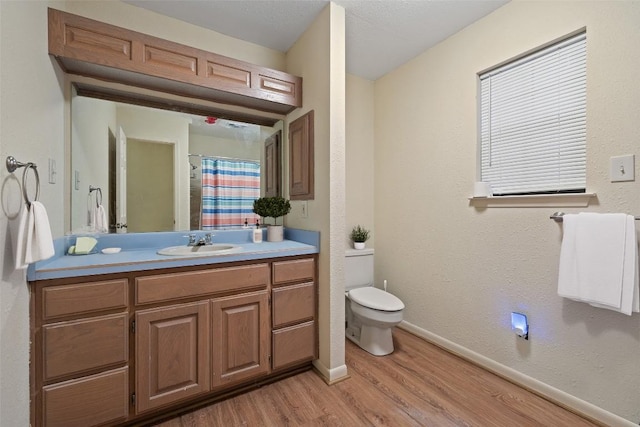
<point x="91" y="213"/>
<point x="31" y="236"/>
<point x="39" y="242"/>
<point x="18" y="228"/>
<point x="101" y="224"/>
<point x="630" y="288"/>
<point x="598" y="261"/>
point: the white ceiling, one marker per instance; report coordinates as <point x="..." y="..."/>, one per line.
<point x="380" y="34"/>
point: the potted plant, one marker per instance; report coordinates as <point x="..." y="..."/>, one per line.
<point x="359" y="235"/>
<point x="272" y="207"/>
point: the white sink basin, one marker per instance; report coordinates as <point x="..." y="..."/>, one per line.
<point x="206" y="250"/>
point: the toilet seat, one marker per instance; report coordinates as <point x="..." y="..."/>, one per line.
<point x="375" y="299"/>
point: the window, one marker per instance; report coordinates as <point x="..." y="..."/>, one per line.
<point x="533" y="122"/>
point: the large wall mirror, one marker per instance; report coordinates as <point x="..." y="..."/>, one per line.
<point x="140" y="169"/>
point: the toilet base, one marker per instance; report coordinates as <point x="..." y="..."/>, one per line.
<point x="377" y="341"/>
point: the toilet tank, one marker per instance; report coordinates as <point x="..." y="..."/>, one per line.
<point x="358" y="267"/>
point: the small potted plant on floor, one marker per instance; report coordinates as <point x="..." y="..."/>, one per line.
<point x="272" y="207"/>
<point x="359" y="235"/>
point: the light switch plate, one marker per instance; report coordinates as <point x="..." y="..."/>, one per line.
<point x="52" y="171"/>
<point x="304" y="210"/>
<point x="622" y="168"/>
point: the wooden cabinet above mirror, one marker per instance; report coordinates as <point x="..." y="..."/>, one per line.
<point x="95" y="49"/>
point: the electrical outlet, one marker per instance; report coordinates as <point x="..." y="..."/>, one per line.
<point x="304" y="210"/>
<point x="622" y="168"/>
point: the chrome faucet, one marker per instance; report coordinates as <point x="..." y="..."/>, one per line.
<point x="207" y="239"/>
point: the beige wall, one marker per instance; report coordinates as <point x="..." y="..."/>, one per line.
<point x="31" y="129"/>
<point x="150" y="186"/>
<point x="359" y="180"/>
<point x="318" y="57"/>
<point x="94" y="121"/>
<point x="461" y="270"/>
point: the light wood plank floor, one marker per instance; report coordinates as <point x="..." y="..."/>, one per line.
<point x="418" y="385"/>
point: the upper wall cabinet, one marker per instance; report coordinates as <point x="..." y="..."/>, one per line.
<point x="90" y="48"/>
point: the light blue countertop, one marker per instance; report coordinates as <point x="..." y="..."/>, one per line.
<point x="139" y="252"/>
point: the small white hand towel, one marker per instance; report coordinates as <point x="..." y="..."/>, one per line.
<point x="101" y="225"/>
<point x="600" y="255"/>
<point x="39" y="242"/>
<point x="568" y="286"/>
<point x="630" y="288"/>
<point x="598" y="261"/>
<point x="18" y="229"/>
<point x="91" y="214"/>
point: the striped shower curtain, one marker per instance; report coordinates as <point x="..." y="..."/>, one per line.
<point x="229" y="188"/>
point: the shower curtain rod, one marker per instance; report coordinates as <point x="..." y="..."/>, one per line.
<point x="225" y="158"/>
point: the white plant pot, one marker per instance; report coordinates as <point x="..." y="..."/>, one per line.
<point x="358" y="245"/>
<point x="275" y="233"/>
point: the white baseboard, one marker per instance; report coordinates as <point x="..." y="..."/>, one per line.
<point x="331" y="376"/>
<point x="553" y="394"/>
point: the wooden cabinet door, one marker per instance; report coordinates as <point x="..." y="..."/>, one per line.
<point x="172" y="354"/>
<point x="271" y="173"/>
<point x="301" y="163"/>
<point x="240" y="337"/>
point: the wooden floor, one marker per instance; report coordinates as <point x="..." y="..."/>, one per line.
<point x="418" y="385"/>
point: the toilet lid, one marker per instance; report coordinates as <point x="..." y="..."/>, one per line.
<point x="376" y="299"/>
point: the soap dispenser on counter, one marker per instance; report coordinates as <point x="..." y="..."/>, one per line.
<point x="257" y="233"/>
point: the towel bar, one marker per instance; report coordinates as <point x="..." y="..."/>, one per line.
<point x="557" y="217"/>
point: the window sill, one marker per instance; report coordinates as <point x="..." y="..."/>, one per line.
<point x="534" y="201"/>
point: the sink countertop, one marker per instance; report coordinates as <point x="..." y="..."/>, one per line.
<point x="139" y="252"/>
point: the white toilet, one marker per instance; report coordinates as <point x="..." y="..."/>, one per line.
<point x="371" y="313"/>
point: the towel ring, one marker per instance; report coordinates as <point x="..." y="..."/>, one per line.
<point x="33" y="167"/>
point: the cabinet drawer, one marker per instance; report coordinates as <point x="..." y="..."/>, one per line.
<point x="90" y="401"/>
<point x="293" y="304"/>
<point x="83" y="345"/>
<point x="293" y="271"/>
<point x="83" y="298"/>
<point x="166" y="287"/>
<point x="294" y="344"/>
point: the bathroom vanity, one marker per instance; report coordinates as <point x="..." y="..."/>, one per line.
<point x="142" y="340"/>
<point x="131" y="337"/>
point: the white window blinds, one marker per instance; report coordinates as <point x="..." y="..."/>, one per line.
<point x="533" y="122"/>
